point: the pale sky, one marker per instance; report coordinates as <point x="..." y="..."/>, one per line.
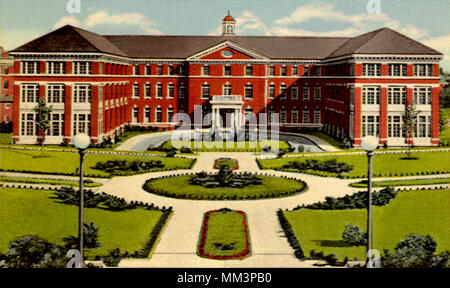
<point x="426" y="21"/>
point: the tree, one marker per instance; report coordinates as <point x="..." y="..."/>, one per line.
<point x="410" y="125"/>
<point x="43" y="113"/>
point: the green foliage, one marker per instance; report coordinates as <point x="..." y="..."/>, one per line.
<point x="416" y="251"/>
<point x="353" y="235"/>
<point x="113" y="258"/>
<point x="43" y="113"/>
<point x="33" y="252"/>
<point x="90" y="238"/>
<point x="331" y="166"/>
<point x="117" y="166"/>
<point x="225" y="178"/>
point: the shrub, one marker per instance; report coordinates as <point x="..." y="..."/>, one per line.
<point x="171" y="153"/>
<point x="34" y="252"/>
<point x="186" y="150"/>
<point x="301" y="149"/>
<point x="113" y="258"/>
<point x="353" y="235"/>
<point x="330" y="166"/>
<point x="416" y="251"/>
<point x="90" y="237"/>
<point x="116" y="204"/>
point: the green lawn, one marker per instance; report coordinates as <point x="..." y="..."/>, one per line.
<point x="412" y="212"/>
<point x="26" y="212"/>
<point x="394" y="183"/>
<point x="228" y="229"/>
<point x="386" y="165"/>
<point x="330" y="140"/>
<point x="229" y="162"/>
<point x="271" y="187"/>
<point x="46" y="181"/>
<point x="68" y="162"/>
<point x="226" y="146"/>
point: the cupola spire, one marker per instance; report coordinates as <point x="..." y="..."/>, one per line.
<point x="228" y="25"/>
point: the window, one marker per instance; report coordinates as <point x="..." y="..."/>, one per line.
<point x="283" y="92"/>
<point x="294" y="71"/>
<point x="82" y="68"/>
<point x="159" y="90"/>
<point x="28" y="124"/>
<point x="182" y="69"/>
<point x="370" y="126"/>
<point x="422" y="95"/>
<point x="317" y="116"/>
<point x="227" y="70"/>
<point x="395" y="127"/>
<point x="30" y="67"/>
<point x="283" y="115"/>
<point x="148" y="91"/>
<point x="136" y="91"/>
<point x="171" y="70"/>
<point x="371" y="69"/>
<point x="283" y="71"/>
<point x="248" y="91"/>
<point x="82" y="94"/>
<point x="305" y="115"/>
<point x="248" y="71"/>
<point x="423" y="129"/>
<point x="170" y="91"/>
<point x="136" y="69"/>
<point x="305" y="93"/>
<point x="81" y="123"/>
<point x="57" y="124"/>
<point x="272" y="91"/>
<point x="205" y="70"/>
<point x="271" y="71"/>
<point x="294" y="92"/>
<point x="146" y="115"/>
<point x="148" y="70"/>
<point x="294" y="115"/>
<point x="55" y="94"/>
<point x="135" y="114"/>
<point x="317" y="93"/>
<point x="396" y="95"/>
<point x="306" y="72"/>
<point x="423" y="70"/>
<point x="248" y="114"/>
<point x="6" y="71"/>
<point x="371" y="95"/>
<point x="158" y="115"/>
<point x="182" y="91"/>
<point x="206" y="91"/>
<point x="318" y="71"/>
<point x="159" y="69"/>
<point x="30" y="93"/>
<point x="227" y="89"/>
<point x="56" y="68"/>
<point x="6" y="84"/>
<point x="271" y="115"/>
<point x="397" y="69"/>
<point x="169" y="114"/>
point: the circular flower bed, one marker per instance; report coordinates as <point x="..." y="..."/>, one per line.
<point x="224" y="235"/>
<point x="255" y="187"/>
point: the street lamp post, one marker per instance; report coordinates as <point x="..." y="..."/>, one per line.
<point x="256" y="141"/>
<point x="369" y="144"/>
<point x="81" y="142"/>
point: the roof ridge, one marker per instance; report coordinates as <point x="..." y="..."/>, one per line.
<point x="77" y="30"/>
<point x="375" y="34"/>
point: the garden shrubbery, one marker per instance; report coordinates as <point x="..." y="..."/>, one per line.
<point x="90" y="238"/>
<point x="416" y="251"/>
<point x="354" y="201"/>
<point x="353" y="235"/>
<point x="330" y="166"/>
<point x="225" y="178"/>
<point x="114" y="167"/>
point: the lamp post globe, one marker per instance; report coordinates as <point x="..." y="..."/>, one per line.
<point x="81" y="141"/>
<point x="369" y="143"/>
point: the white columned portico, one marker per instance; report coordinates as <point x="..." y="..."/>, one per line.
<point x="228" y="102"/>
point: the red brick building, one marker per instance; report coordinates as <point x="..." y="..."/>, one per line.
<point x="349" y="87"/>
<point x="6" y="87"/>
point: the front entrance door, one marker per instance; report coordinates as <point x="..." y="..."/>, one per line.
<point x="223" y="114"/>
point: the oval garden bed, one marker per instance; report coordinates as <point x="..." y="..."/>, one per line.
<point x="224" y="235"/>
<point x="232" y="163"/>
<point x="233" y="186"/>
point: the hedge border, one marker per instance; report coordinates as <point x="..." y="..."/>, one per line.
<point x="289" y="232"/>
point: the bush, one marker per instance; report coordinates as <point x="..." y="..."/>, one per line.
<point x="301" y="149"/>
<point x="186" y="150"/>
<point x="171" y="153"/>
<point x="353" y="235"/>
<point x="70" y="196"/>
<point x="113" y="258"/>
<point x="34" y="252"/>
<point x="330" y="166"/>
<point x="416" y="251"/>
<point x="90" y="237"/>
<point x="116" y="204"/>
<point x="116" y="167"/>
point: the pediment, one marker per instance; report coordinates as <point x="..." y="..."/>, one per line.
<point x="227" y="50"/>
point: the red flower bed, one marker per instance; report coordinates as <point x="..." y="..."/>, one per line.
<point x="216" y="164"/>
<point x="201" y="247"/>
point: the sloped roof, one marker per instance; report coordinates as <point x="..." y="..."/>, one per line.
<point x="70" y="39"/>
<point x="73" y="39"/>
<point x="383" y="41"/>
